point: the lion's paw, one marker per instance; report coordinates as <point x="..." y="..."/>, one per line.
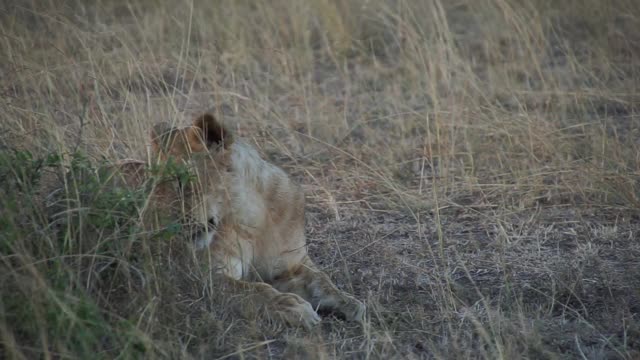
<point x="354" y="310"/>
<point x="296" y="311"/>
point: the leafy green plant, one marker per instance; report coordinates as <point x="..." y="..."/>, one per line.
<point x="58" y="260"/>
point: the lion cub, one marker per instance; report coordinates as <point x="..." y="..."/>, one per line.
<point x="251" y="217"/>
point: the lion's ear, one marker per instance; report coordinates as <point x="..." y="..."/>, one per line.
<point x="161" y="136"/>
<point x="212" y="132"/>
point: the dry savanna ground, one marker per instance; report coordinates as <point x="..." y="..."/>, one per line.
<point x="472" y="172"/>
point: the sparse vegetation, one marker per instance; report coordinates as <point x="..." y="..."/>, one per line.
<point x="472" y="171"/>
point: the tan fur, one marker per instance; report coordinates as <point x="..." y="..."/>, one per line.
<point x="252" y="216"/>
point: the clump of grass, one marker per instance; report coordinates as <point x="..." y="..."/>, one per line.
<point x="78" y="264"/>
<point x="47" y="303"/>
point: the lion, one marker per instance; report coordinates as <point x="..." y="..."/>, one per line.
<point x="250" y="216"/>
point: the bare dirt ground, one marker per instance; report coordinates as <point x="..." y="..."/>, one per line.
<point x="471" y="170"/>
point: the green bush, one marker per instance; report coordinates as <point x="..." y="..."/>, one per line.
<point x="70" y="237"/>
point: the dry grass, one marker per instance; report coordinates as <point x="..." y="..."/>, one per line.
<point x="472" y="171"/>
